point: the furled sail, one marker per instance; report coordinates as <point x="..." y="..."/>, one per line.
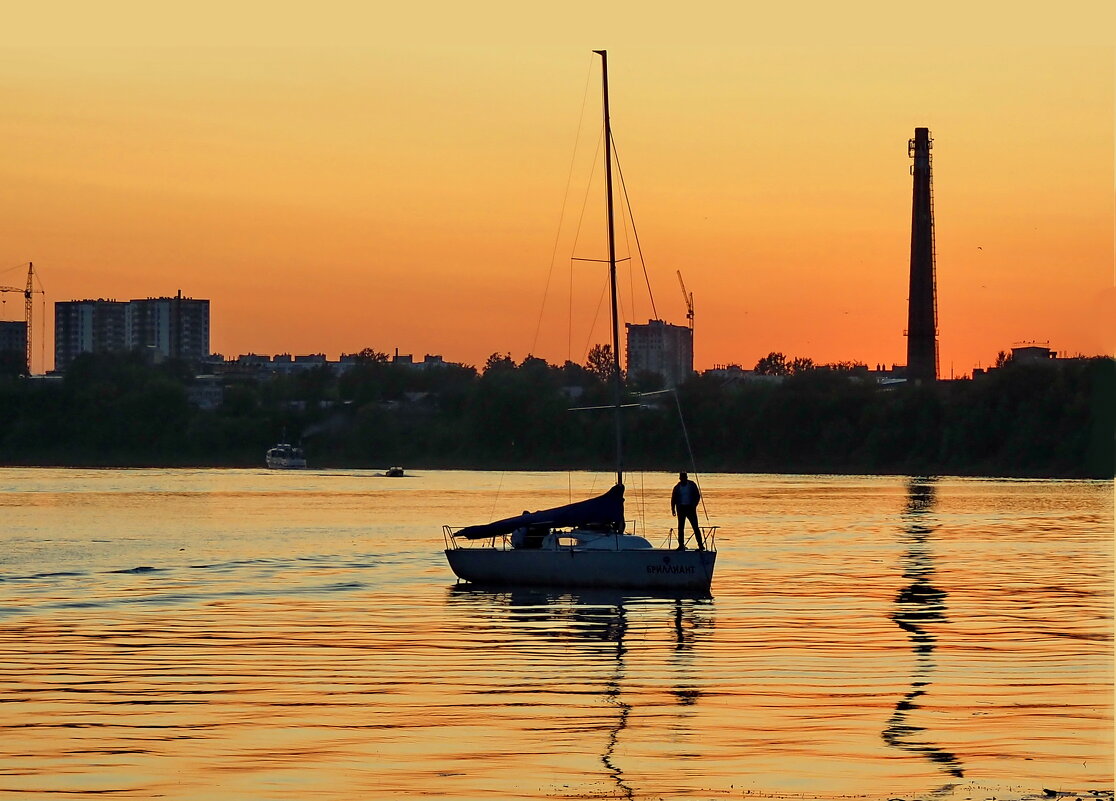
<point x="605" y="510"/>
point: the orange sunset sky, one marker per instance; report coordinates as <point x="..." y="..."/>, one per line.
<point x="411" y="195"/>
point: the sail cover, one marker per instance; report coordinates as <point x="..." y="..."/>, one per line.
<point x="606" y="510"/>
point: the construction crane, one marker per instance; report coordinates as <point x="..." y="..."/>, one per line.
<point x="28" y="292"/>
<point x="688" y="298"/>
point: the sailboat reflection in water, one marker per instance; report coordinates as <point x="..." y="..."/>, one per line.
<point x="582" y="544"/>
<point x="918" y="604"/>
<point x="584" y="620"/>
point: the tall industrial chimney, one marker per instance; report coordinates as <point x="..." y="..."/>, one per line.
<point x="922" y="310"/>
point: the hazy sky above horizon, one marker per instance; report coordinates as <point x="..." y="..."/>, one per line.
<point x="415" y="197"/>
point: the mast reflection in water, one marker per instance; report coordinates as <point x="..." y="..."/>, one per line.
<point x="614" y="631"/>
<point x="919" y="604"/>
<point x="595" y="617"/>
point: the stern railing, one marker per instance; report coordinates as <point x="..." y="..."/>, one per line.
<point x="708" y="536"/>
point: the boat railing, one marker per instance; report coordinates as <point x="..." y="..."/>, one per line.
<point x="708" y="537"/>
<point x="449" y="534"/>
<point x="503" y="543"/>
<point x="564" y="539"/>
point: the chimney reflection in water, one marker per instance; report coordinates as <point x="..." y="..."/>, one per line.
<point x="918" y="604"/>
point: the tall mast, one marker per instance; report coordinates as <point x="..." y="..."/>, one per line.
<point x="616" y="391"/>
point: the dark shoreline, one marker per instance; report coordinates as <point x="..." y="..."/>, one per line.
<point x="1053" y="420"/>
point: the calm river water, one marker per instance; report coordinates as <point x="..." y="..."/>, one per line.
<point x="238" y="634"/>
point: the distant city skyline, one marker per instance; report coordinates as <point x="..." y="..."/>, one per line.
<point x="411" y="196"/>
<point x="118" y="335"/>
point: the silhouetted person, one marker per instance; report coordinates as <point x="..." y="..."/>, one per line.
<point x="683" y="502"/>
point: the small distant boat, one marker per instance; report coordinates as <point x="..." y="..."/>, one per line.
<point x="582" y="544"/>
<point x="394" y="472"/>
<point x="285" y="456"/>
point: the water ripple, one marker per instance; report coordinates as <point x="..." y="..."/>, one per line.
<point x="867" y="638"/>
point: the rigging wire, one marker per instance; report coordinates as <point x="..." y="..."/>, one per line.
<point x="569" y="316"/>
<point x="596" y="315"/>
<point x="42" y="323"/>
<point x="496" y="497"/>
<point x="621" y="312"/>
<point x="693" y="468"/>
<point x="42" y="334"/>
<point x="562" y="212"/>
<point x="554" y="251"/>
<point x="685" y="437"/>
<point x="635" y="232"/>
<point x="20" y="266"/>
<point x="631" y="278"/>
<point x="643" y="498"/>
<point x="690" y="449"/>
<point x="577" y="236"/>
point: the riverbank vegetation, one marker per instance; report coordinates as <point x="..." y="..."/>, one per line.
<point x="1046" y="419"/>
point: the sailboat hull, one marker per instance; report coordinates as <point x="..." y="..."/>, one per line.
<point x="656" y="569"/>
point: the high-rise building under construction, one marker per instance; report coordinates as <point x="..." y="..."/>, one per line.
<point x="922" y="308"/>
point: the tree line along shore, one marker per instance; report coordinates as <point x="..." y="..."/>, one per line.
<point x="113" y="410"/>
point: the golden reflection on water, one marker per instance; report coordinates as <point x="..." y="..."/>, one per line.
<point x="236" y="635"/>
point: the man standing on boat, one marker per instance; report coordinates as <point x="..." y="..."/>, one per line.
<point x="683" y="502"/>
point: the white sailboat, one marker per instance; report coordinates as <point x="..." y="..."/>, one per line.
<point x="582" y="544"/>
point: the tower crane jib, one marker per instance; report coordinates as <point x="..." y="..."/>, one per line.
<point x="28" y="307"/>
<point x="688" y="299"/>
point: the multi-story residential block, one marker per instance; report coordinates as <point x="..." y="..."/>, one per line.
<point x="169" y="328"/>
<point x="13" y="347"/>
<point x="161" y="328"/>
<point x="662" y="349"/>
<point x="13" y="336"/>
<point x="87" y="326"/>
